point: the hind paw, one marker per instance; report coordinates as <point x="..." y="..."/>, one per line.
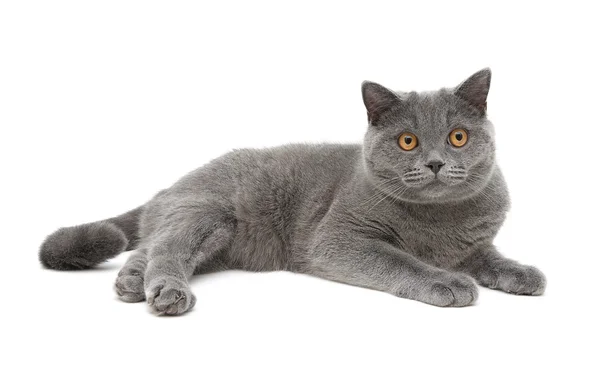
<point x="130" y="287"/>
<point x="169" y="297"/>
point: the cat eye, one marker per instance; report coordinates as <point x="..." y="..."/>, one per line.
<point x="458" y="137"/>
<point x="408" y="141"/>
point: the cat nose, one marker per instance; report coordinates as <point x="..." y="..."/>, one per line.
<point x="435" y="166"/>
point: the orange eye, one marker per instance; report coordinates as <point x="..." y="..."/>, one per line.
<point x="458" y="137"/>
<point x="408" y="141"/>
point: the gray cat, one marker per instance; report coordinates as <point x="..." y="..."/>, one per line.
<point x="412" y="212"/>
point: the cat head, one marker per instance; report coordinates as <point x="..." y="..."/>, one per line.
<point x="429" y="147"/>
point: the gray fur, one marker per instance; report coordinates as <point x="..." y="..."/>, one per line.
<point x="82" y="246"/>
<point x="87" y="245"/>
<point x="372" y="215"/>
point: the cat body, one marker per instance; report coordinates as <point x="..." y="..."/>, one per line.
<point x="281" y="211"/>
<point x="412" y="212"/>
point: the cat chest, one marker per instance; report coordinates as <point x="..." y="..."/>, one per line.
<point x="445" y="243"/>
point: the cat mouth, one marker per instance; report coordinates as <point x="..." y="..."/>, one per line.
<point x="438" y="186"/>
<point x="432" y="182"/>
<point x="435" y="182"/>
<point x="435" y="189"/>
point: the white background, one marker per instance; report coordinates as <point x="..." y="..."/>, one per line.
<point x="104" y="103"/>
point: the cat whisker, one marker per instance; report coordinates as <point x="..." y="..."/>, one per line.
<point x="390" y="193"/>
<point x="382" y="190"/>
<point x="396" y="195"/>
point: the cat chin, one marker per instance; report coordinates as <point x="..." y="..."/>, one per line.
<point x="436" y="191"/>
<point x="436" y="196"/>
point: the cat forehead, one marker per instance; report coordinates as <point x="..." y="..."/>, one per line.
<point x="429" y="100"/>
<point x="425" y="110"/>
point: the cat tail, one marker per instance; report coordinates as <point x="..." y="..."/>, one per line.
<point x="87" y="245"/>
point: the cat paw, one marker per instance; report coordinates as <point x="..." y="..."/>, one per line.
<point x="130" y="286"/>
<point x="517" y="279"/>
<point x="452" y="290"/>
<point x="169" y="297"/>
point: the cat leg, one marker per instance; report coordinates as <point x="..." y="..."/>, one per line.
<point x="491" y="269"/>
<point x="186" y="241"/>
<point x="130" y="282"/>
<point x="378" y="265"/>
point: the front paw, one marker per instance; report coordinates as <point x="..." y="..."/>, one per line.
<point x="130" y="286"/>
<point x="451" y="290"/>
<point x="167" y="296"/>
<point x="516" y="279"/>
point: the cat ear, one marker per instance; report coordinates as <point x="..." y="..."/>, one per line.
<point x="475" y="89"/>
<point x="377" y="99"/>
